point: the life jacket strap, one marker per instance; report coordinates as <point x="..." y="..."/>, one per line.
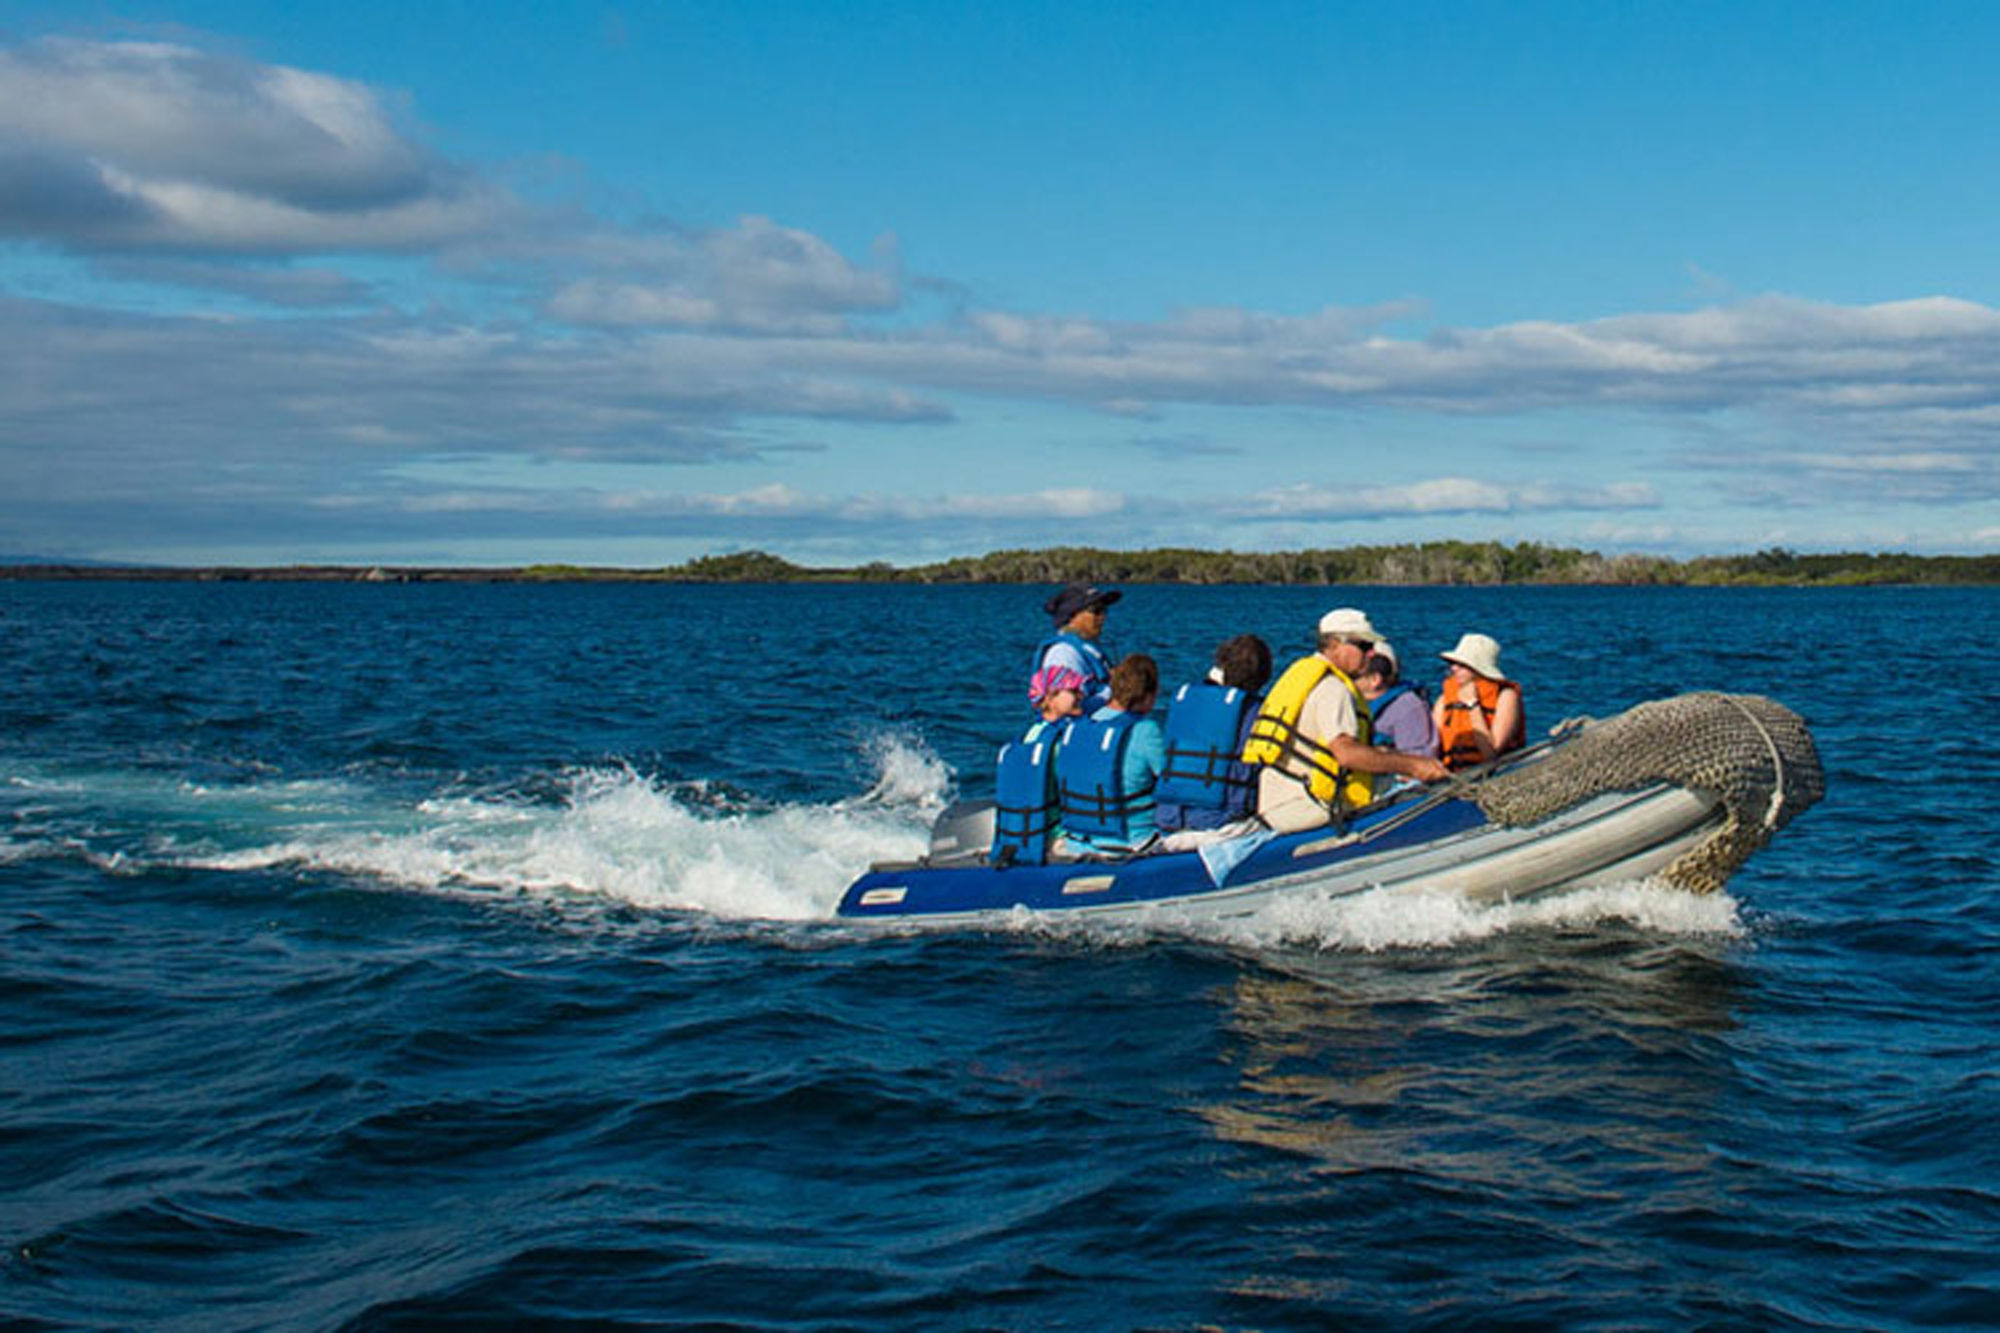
<point x="1212" y="768"/>
<point x="1095" y="804"/>
<point x="1023" y="822"/>
<point x="1294" y="744"/>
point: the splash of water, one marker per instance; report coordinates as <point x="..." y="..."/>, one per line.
<point x="614" y="836"/>
<point x="1387" y="919"/>
<point x="1373" y="922"/>
<point x="617" y="838"/>
<point x="908" y="774"/>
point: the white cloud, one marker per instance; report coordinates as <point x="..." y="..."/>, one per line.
<point x="153" y="398"/>
<point x="1935" y="353"/>
<point x="287" y="286"/>
<point x="145" y="145"/>
<point x="1061" y="503"/>
<point x="1959" y="464"/>
<point x="775" y="501"/>
<point x="786" y="501"/>
<point x="755" y="277"/>
<point x="1867" y="473"/>
<point x="1442" y="495"/>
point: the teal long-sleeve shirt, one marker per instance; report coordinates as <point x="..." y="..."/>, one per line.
<point x="1145" y="759"/>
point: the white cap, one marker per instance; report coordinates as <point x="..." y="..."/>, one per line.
<point x="1347" y="623"/>
<point x="1383" y="648"/>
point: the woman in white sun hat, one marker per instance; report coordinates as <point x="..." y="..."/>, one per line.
<point x="1478" y="711"/>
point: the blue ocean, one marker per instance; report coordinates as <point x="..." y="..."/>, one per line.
<point x="386" y="956"/>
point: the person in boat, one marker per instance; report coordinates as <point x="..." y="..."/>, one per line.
<point x="1025" y="814"/>
<point x="1206" y="784"/>
<point x="1478" y="711"/>
<point x="1398" y="712"/>
<point x="1312" y="735"/>
<point x="1056" y="695"/>
<point x="1109" y="764"/>
<point x="1078" y="612"/>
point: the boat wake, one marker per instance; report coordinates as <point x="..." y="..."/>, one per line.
<point x="610" y="836"/>
<point x="617" y="838"/>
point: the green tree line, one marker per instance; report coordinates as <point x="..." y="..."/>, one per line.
<point x="1476" y="564"/>
<point x="1467" y="564"/>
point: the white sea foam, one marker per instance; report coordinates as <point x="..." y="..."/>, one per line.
<point x="908" y="774"/>
<point x="620" y="838"/>
<point x="1381" y="920"/>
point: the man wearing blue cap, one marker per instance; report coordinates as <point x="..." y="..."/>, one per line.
<point x="1078" y="613"/>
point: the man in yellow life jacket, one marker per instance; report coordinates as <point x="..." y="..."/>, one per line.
<point x="1311" y="736"/>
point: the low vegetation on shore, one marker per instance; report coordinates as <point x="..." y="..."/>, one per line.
<point x="1476" y="564"/>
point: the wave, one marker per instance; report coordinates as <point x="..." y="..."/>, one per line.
<point x="610" y="835"/>
<point x="620" y="838"/>
<point x="12" y="850"/>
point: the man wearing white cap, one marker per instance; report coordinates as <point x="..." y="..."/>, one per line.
<point x="1312" y="734"/>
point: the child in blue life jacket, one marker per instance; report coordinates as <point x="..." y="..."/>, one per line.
<point x="1025" y="824"/>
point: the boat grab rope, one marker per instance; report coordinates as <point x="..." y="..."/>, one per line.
<point x="1752" y="754"/>
<point x="1777" y="766"/>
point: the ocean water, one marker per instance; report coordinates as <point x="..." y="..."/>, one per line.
<point x="389" y="956"/>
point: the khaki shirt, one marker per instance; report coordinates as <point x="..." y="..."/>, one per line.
<point x="1283" y="800"/>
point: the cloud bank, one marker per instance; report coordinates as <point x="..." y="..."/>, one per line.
<point x="557" y="337"/>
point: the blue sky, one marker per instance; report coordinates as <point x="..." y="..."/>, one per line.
<point x="497" y="283"/>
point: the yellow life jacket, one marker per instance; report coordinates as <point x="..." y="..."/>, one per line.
<point x="1275" y="735"/>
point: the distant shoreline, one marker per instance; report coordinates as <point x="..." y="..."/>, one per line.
<point x="1436" y="564"/>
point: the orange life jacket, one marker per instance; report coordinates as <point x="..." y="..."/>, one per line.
<point x="1455" y="743"/>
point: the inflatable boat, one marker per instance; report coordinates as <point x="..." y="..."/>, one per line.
<point x="1682" y="789"/>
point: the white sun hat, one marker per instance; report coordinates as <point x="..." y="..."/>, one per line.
<point x="1478" y="652"/>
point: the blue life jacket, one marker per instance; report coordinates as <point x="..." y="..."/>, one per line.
<point x="1096" y="667"/>
<point x="1090" y="771"/>
<point x="1024" y="806"/>
<point x="1387" y="697"/>
<point x="1204" y="744"/>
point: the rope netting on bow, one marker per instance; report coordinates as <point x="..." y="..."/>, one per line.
<point x="1752" y="752"/>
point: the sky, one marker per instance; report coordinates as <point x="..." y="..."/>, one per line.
<point x="501" y="283"/>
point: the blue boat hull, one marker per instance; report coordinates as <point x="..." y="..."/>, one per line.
<point x="1424" y="841"/>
